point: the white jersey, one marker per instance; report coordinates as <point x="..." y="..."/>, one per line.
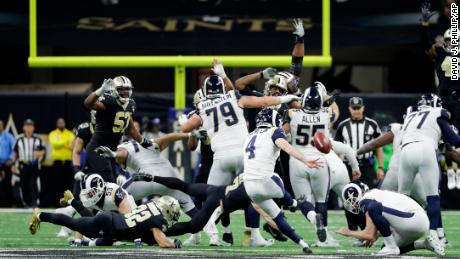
<point x="140" y="158"/>
<point x="396" y="129"/>
<point x="393" y="201"/>
<point x="224" y="121"/>
<point x="422" y="125"/>
<point x="338" y="148"/>
<point x="113" y="196"/>
<point x="304" y="126"/>
<point x="261" y="153"/>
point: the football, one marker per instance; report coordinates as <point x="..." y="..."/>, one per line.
<point x="321" y="142"/>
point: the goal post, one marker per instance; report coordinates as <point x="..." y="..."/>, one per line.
<point x="179" y="63"/>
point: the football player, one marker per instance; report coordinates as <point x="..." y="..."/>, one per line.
<point x="396" y="217"/>
<point x="135" y="158"/>
<point x="82" y="138"/>
<point x="115" y="108"/>
<point x="302" y="124"/>
<point x="262" y="147"/>
<point x="145" y="220"/>
<point x="221" y="115"/>
<point x="422" y="130"/>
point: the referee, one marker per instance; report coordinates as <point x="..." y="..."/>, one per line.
<point x="357" y="130"/>
<point x="28" y="153"/>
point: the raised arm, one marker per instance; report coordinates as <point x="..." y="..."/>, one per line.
<point x="265" y="101"/>
<point x="92" y="101"/>
<point x="242" y="82"/>
<point x="299" y="48"/>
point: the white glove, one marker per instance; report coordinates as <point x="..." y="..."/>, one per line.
<point x="199" y="134"/>
<point x="298" y="27"/>
<point x="105" y="152"/>
<point x="15" y="179"/>
<point x="182" y="119"/>
<point x="106" y="86"/>
<point x="121" y="179"/>
<point x="289" y="98"/>
<point x="78" y="176"/>
<point x="269" y="72"/>
<point x="218" y="68"/>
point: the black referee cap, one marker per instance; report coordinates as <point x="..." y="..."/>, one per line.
<point x="356" y="102"/>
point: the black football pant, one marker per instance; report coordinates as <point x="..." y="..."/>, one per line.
<point x="99" y="165"/>
<point x="209" y="193"/>
<point x="97" y="226"/>
<point x="28" y="183"/>
<point x="202" y="177"/>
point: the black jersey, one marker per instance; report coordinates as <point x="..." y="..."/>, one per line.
<point x="112" y="122"/>
<point x="443" y="66"/>
<point x="139" y="221"/>
<point x="85" y="132"/>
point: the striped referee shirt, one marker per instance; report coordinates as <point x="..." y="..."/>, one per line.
<point x="356" y="133"/>
<point x="25" y="147"/>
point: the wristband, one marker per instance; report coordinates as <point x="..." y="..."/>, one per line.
<point x="298" y="39"/>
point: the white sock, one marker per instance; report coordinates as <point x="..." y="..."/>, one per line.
<point x="433" y="233"/>
<point x="302" y="244"/>
<point x="440" y="232"/>
<point x="77" y="240"/>
<point x="311" y="216"/>
<point x="92" y="243"/>
<point x="255" y="233"/>
<point x="390" y="241"/>
<point x="294" y="203"/>
<point x="227" y="230"/>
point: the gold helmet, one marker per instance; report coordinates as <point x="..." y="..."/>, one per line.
<point x="277" y="81"/>
<point x="169" y="207"/>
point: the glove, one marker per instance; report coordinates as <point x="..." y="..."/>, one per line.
<point x="142" y="177"/>
<point x="289" y="98"/>
<point x="106" y="86"/>
<point x="177" y="243"/>
<point x="78" y="176"/>
<point x="121" y="179"/>
<point x="199" y="134"/>
<point x="299" y="31"/>
<point x="218" y="68"/>
<point x="268" y="73"/>
<point x="182" y="119"/>
<point x="15" y="178"/>
<point x="425" y="11"/>
<point x="105" y="152"/>
<point x="293" y="207"/>
<point x="67" y="199"/>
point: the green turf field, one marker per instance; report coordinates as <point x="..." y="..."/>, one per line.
<point x="14" y="234"/>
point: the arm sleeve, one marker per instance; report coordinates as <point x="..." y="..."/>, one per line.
<point x="296" y="65"/>
<point x="448" y="134"/>
<point x="287" y="117"/>
<point x="278" y="133"/>
<point x="348" y="152"/>
<point x="425" y="38"/>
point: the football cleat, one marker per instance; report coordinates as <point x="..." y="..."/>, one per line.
<point x="307" y="250"/>
<point x="228" y="238"/>
<point x="138" y="243"/>
<point x="35" y="222"/>
<point x="193" y="240"/>
<point x="64" y="232"/>
<point x="320" y="230"/>
<point x="432" y="243"/>
<point x="215" y="241"/>
<point x="387" y="250"/>
<point x="64" y="201"/>
<point x="261" y="242"/>
<point x="451" y="181"/>
<point x="276" y="234"/>
<point x="444" y="242"/>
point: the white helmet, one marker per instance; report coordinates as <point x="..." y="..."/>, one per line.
<point x="122" y="83"/>
<point x="447" y="40"/>
<point x="92" y="189"/>
<point x="352" y="194"/>
<point x="198" y="97"/>
<point x="169" y="207"/>
<point x="321" y="88"/>
<point x="277" y="81"/>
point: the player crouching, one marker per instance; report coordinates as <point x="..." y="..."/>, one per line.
<point x="398" y="218"/>
<point x="145" y="220"/>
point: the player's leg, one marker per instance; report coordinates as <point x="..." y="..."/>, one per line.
<point x="410" y="159"/>
<point x="302" y="190"/>
<point x="390" y="182"/>
<point x="375" y="212"/>
<point x="98" y="164"/>
<point x="320" y="182"/>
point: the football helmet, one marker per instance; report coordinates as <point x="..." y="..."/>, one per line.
<point x="92" y="189"/>
<point x="312" y="100"/>
<point x="430" y="99"/>
<point x="321" y="88"/>
<point x="268" y="117"/>
<point x="291" y="80"/>
<point x="198" y="97"/>
<point x="123" y="88"/>
<point x="279" y="82"/>
<point x="169" y="207"/>
<point x="352" y="195"/>
<point x="213" y="87"/>
<point x="447" y="40"/>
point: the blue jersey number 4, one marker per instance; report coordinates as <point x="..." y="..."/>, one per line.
<point x="251" y="148"/>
